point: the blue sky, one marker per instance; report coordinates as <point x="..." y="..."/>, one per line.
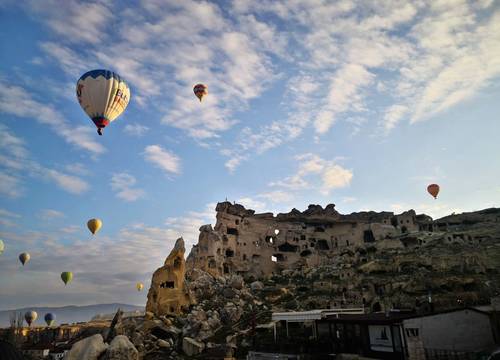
<point x="309" y="102"/>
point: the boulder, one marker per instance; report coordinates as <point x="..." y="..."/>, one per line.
<point x="256" y="285"/>
<point x="121" y="349"/>
<point x="163" y="344"/>
<point x="191" y="346"/>
<point x="236" y="282"/>
<point x="87" y="349"/>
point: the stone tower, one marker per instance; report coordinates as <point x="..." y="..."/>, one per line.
<point x="168" y="293"/>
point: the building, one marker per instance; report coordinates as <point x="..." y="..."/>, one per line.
<point x="389" y="335"/>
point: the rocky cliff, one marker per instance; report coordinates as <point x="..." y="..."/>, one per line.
<point x="377" y="260"/>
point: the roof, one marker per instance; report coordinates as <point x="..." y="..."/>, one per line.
<point x="389" y="318"/>
<point x="300" y="316"/>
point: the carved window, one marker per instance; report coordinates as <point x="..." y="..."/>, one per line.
<point x="177" y="263"/>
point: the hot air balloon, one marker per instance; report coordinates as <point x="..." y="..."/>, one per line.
<point x="24" y="258"/>
<point x="2" y="247"/>
<point x="94" y="225"/>
<point x="30" y="317"/>
<point x="103" y="95"/>
<point x="49" y="319"/>
<point x="139" y="286"/>
<point x="200" y="91"/>
<point x="66" y="277"/>
<point x="433" y="189"/>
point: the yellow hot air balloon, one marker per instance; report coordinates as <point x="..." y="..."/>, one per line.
<point x="200" y="90"/>
<point x="94" y="225"/>
<point x="139" y="286"/>
<point x="103" y="95"/>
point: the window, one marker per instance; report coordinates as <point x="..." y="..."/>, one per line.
<point x="229" y="253"/>
<point x="322" y="245"/>
<point x="167" y="285"/>
<point x="368" y="236"/>
<point x="236" y="221"/>
<point x="232" y="231"/>
<point x="177" y="263"/>
<point x="302" y="237"/>
<point x="412" y="332"/>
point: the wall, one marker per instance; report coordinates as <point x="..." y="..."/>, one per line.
<point x="465" y="330"/>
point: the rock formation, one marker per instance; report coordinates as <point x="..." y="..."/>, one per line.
<point x="372" y="259"/>
<point x="168" y="293"/>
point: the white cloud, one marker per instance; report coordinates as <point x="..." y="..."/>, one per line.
<point x="17" y="101"/>
<point x="77" y="169"/>
<point x="50" y="214"/>
<point x="135" y="129"/>
<point x="75" y="21"/>
<point x="332" y="175"/>
<point x="253" y="204"/>
<point x="69" y="183"/>
<point x="123" y="184"/>
<point x="163" y="159"/>
<point x="278" y="196"/>
<point x="7" y="213"/>
<point x="10" y="185"/>
<point x="18" y="165"/>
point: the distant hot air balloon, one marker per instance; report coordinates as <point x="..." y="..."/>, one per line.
<point x="103" y="95"/>
<point x="433" y="189"/>
<point x="24" y="258"/>
<point x="94" y="225"/>
<point x="2" y="247"/>
<point x="30" y="317"/>
<point x="49" y="319"/>
<point x="200" y="90"/>
<point x="139" y="286"/>
<point x="66" y="277"/>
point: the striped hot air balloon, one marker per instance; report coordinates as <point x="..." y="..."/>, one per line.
<point x="200" y="90"/>
<point x="30" y="317"/>
<point x="103" y="95"/>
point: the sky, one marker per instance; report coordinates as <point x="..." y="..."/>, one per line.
<point x="357" y="103"/>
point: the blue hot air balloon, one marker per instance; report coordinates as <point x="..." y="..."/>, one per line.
<point x="49" y="319"/>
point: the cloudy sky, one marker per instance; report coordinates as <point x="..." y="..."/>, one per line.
<point x="310" y="102"/>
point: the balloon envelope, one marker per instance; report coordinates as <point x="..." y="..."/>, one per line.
<point x="139" y="286"/>
<point x="200" y="90"/>
<point x="103" y="95"/>
<point x="66" y="277"/>
<point x="94" y="225"/>
<point x="30" y="317"/>
<point x="49" y="318"/>
<point x="24" y="258"/>
<point x="433" y="189"/>
<point x="2" y="247"/>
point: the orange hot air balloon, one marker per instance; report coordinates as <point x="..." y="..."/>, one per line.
<point x="200" y="90"/>
<point x="433" y="189"/>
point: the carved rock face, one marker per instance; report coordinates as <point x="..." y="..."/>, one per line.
<point x="168" y="293"/>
